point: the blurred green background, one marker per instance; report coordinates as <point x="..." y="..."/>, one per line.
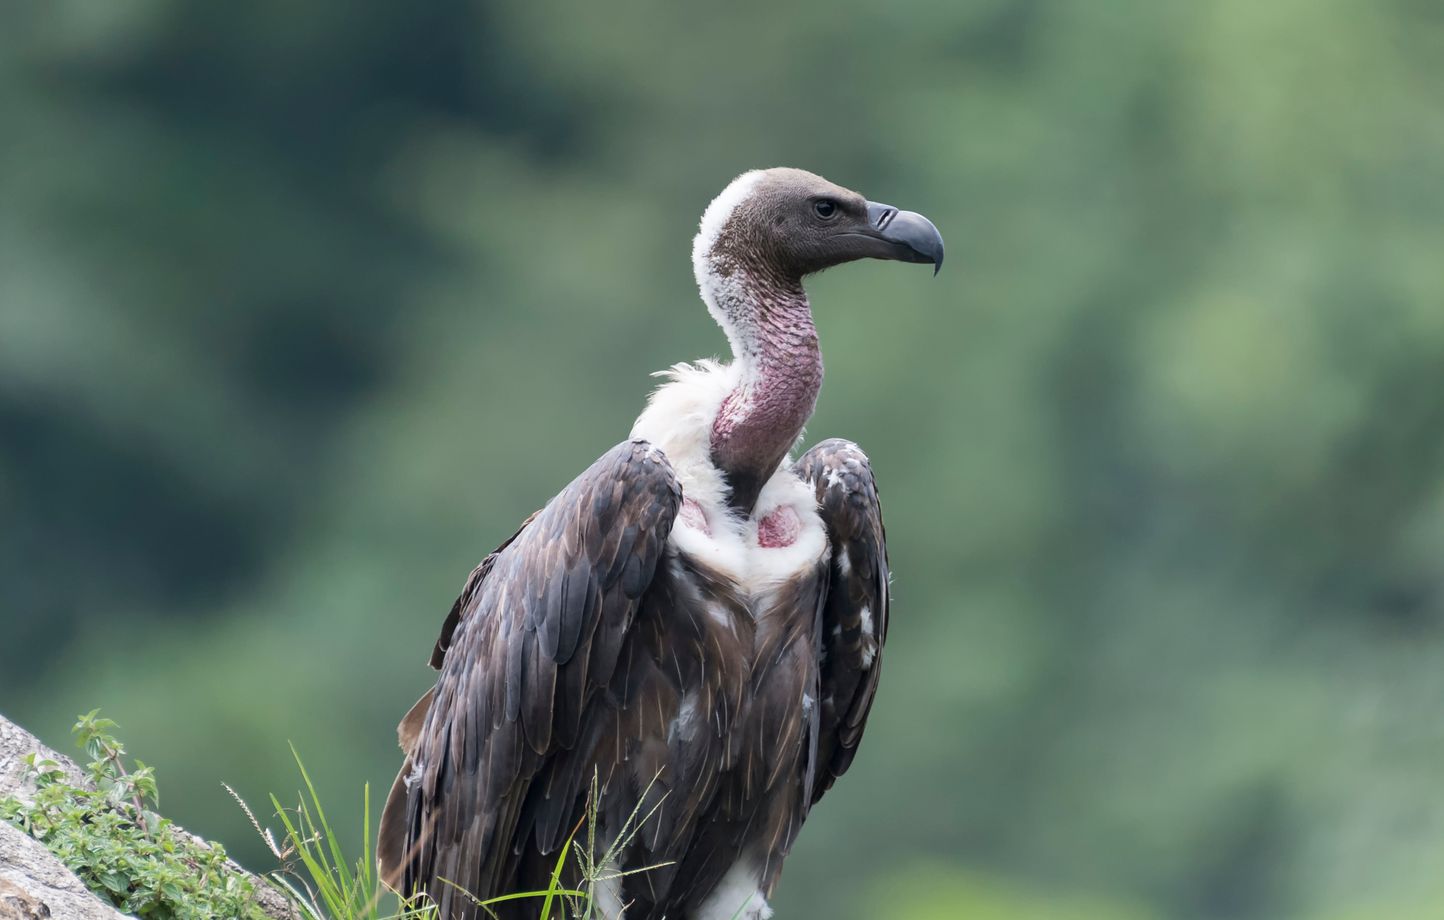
<point x="304" y="306"/>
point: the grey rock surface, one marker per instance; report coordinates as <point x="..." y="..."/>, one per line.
<point x="15" y="744"/>
<point x="34" y="885"/>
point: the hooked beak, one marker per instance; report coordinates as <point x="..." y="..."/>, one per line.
<point x="910" y="236"/>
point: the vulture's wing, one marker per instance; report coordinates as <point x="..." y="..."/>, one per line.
<point x="855" y="611"/>
<point x="467" y="598"/>
<point x="532" y="639"/>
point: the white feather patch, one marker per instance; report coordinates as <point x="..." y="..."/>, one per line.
<point x="684" y="724"/>
<point x="869" y="643"/>
<point x="736" y="896"/>
<point x="607" y="896"/>
<point x="709" y="229"/>
<point x="678" y="420"/>
<point x="869" y="653"/>
<point x="722" y="294"/>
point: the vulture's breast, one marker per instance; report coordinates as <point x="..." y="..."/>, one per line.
<point x="782" y="541"/>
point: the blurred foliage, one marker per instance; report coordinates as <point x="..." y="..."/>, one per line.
<point x="303" y="307"/>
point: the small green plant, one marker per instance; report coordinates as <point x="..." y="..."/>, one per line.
<point x="113" y="840"/>
<point x="601" y="870"/>
<point x="325" y="885"/>
<point x="314" y="870"/>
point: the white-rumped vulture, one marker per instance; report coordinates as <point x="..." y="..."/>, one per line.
<point x="695" y="620"/>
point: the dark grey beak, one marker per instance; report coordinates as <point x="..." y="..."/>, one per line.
<point x="913" y="237"/>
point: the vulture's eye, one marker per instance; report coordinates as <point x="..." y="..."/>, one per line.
<point x="824" y="208"/>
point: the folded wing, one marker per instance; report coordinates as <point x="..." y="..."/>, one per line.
<point x="855" y="612"/>
<point x="525" y="656"/>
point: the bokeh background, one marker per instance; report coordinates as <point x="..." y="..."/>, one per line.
<point x="304" y="306"/>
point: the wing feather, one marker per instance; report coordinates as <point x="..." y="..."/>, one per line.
<point x="854" y="613"/>
<point x="497" y="763"/>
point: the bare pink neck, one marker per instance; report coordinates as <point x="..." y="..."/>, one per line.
<point x="774" y="341"/>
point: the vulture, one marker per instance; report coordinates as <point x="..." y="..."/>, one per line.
<point x="692" y="628"/>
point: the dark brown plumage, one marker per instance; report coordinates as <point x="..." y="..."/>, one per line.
<point x="590" y="671"/>
<point x="710" y="661"/>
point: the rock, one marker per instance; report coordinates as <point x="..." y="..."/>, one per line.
<point x="15" y="745"/>
<point x="34" y="885"/>
<point x="17" y="905"/>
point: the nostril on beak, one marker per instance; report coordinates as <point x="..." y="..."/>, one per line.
<point x="910" y="237"/>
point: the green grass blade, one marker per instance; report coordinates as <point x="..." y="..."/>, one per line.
<point x="365" y="867"/>
<point x="303" y="851"/>
<point x="556" y="875"/>
<point x="519" y="895"/>
<point x="330" y="837"/>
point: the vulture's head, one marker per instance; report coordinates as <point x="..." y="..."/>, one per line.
<point x="767" y="231"/>
<point x="784" y="224"/>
